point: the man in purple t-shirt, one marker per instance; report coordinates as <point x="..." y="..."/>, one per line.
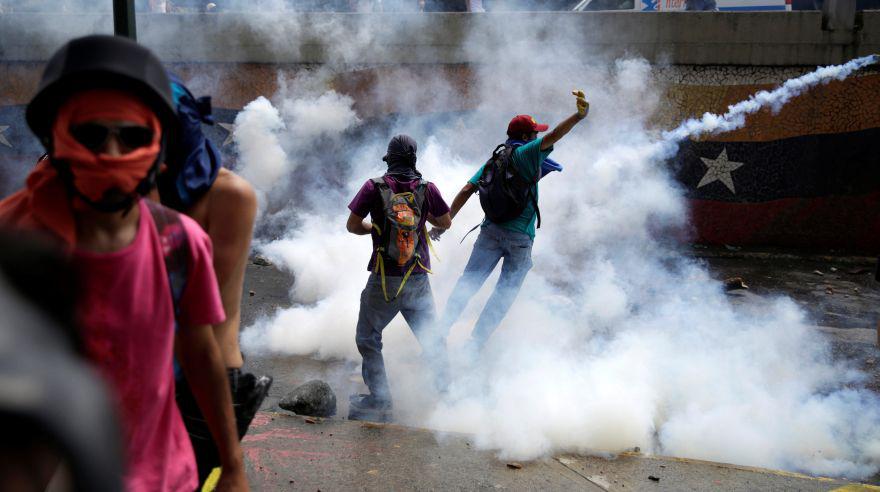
<point x="383" y="296"/>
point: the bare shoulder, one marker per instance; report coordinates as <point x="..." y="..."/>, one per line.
<point x="231" y="189"/>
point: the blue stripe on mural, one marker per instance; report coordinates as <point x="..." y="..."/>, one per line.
<point x="805" y="166"/>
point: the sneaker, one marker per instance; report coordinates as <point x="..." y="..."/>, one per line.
<point x="368" y="407"/>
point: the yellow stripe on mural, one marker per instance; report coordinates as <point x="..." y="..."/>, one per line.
<point x="839" y="107"/>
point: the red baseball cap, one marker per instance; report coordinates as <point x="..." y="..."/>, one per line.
<point x="524" y="123"/>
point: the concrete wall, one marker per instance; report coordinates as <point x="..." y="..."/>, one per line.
<point x="687" y="38"/>
<point x="810" y="176"/>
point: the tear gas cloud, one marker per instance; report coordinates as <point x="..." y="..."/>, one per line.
<point x="617" y="339"/>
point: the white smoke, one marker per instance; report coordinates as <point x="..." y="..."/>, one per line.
<point x="616" y="340"/>
<point x="256" y="136"/>
<point x="272" y="143"/>
<point x="735" y="116"/>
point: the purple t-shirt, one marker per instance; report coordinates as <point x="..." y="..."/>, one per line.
<point x="369" y="201"/>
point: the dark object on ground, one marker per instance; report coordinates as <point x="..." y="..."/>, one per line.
<point x="734" y="283"/>
<point x="261" y="261"/>
<point x="514" y="466"/>
<point x="248" y="393"/>
<point x="366" y="407"/>
<point x="315" y="398"/>
<point x="653" y="478"/>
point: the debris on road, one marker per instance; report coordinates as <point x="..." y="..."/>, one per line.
<point x="261" y="261"/>
<point x="734" y="283"/>
<point x="653" y="478"/>
<point x="514" y="466"/>
<point x="599" y="481"/>
<point x="310" y="420"/>
<point x="314" y="398"/>
<point x="817" y="272"/>
<point x="252" y="293"/>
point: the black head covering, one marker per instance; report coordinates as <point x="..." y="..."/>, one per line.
<point x="401" y="158"/>
<point x="101" y="62"/>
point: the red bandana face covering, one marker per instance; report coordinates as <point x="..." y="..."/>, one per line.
<point x="95" y="174"/>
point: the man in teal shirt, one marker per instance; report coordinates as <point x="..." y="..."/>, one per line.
<point x="511" y="240"/>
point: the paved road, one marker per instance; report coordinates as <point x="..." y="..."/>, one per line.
<point x="284" y="452"/>
<point x="288" y="452"/>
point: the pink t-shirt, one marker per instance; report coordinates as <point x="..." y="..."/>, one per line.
<point x="127" y="316"/>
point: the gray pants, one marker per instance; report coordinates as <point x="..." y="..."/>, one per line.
<point x="416" y="304"/>
<point x="494" y="244"/>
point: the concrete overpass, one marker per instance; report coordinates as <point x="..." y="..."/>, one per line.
<point x="779" y="39"/>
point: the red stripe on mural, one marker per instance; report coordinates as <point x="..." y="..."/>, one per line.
<point x="832" y="222"/>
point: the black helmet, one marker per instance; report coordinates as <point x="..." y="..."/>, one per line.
<point x="101" y="61"/>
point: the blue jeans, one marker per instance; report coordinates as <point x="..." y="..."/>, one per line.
<point x="416" y="304"/>
<point x="493" y="244"/>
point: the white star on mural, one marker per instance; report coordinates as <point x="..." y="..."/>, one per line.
<point x="228" y="127"/>
<point x="3" y="140"/>
<point x="719" y="169"/>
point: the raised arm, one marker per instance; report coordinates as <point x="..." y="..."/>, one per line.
<point x="583" y="107"/>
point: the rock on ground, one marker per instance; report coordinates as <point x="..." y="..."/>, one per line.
<point x="314" y="398"/>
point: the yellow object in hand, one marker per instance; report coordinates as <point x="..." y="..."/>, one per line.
<point x="582" y="105"/>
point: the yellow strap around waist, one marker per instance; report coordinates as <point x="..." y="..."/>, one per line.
<point x="430" y="245"/>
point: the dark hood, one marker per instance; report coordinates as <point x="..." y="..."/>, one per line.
<point x="401" y="158"/>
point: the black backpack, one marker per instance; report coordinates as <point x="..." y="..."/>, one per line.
<point x="504" y="192"/>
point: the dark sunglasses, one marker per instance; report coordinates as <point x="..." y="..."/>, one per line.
<point x="94" y="136"/>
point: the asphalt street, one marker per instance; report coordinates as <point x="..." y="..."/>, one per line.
<point x="288" y="452"/>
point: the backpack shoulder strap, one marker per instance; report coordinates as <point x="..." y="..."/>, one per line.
<point x="421" y="193"/>
<point x="383" y="188"/>
<point x="175" y="249"/>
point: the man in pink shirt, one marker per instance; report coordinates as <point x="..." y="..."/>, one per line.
<point x="147" y="286"/>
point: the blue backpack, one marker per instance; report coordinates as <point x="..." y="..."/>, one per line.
<point x="193" y="161"/>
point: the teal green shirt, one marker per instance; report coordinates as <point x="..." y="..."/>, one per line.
<point x="527" y="158"/>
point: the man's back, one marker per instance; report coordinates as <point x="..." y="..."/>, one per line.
<point x="368" y="201"/>
<point x="526" y="159"/>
